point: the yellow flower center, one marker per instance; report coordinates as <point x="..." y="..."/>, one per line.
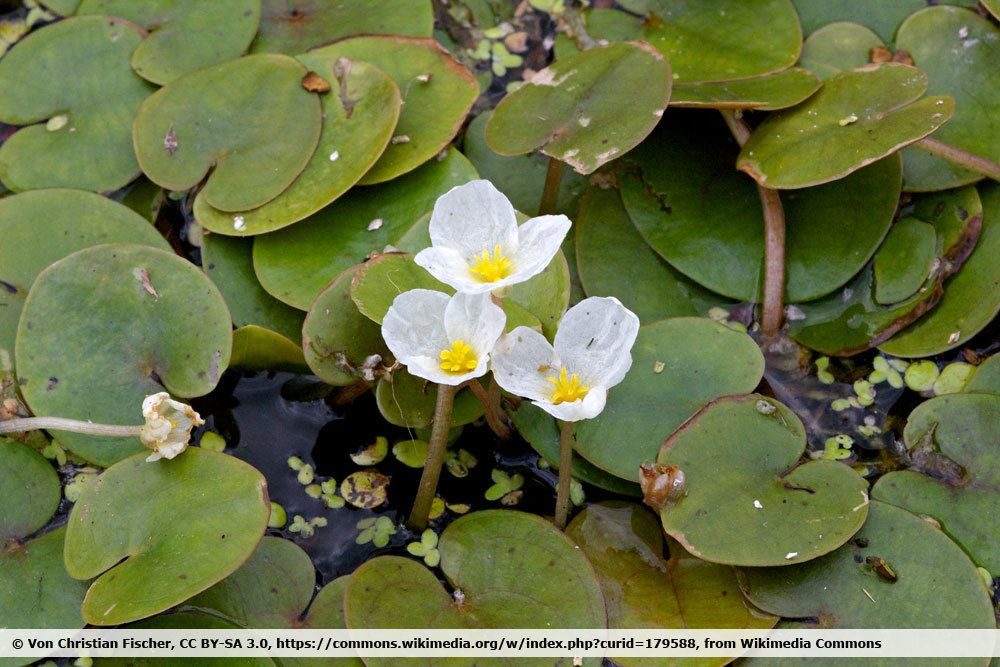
<point x="459" y="358"/>
<point x="567" y="388"/>
<point x="489" y="269"/>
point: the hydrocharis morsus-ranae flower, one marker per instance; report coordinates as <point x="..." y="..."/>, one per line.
<point x="168" y="426"/>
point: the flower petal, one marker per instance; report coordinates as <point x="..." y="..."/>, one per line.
<point x="474" y="217"/>
<point x="413" y="328"/>
<point x="539" y="240"/>
<point x="429" y="368"/>
<point x="595" y="339"/>
<point x="521" y="362"/>
<point x="452" y="268"/>
<point x="588" y="407"/>
<point x="476" y="320"/>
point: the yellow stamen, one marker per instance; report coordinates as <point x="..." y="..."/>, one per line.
<point x="459" y="358"/>
<point x="567" y="388"/>
<point x="490" y="269"/>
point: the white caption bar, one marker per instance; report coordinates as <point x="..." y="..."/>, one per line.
<point x="498" y="643"/>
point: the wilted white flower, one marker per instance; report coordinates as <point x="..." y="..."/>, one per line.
<point x="477" y="245"/>
<point x="440" y="338"/>
<point x="570" y="380"/>
<point x="168" y="426"/>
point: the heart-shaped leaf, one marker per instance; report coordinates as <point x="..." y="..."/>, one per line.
<point x="152" y="321"/>
<point x="408" y="401"/>
<point x="904" y="261"/>
<point x="856" y="118"/>
<point x="77" y="71"/>
<point x="296" y="263"/>
<point x="963" y="428"/>
<point x="678" y="365"/>
<point x="748" y="500"/>
<point x="157" y="533"/>
<point x="359" y="116"/>
<point x="183" y="37"/>
<point x="642" y="590"/>
<point x="837" y="47"/>
<point x="296" y="28"/>
<point x="438" y="92"/>
<point x="248" y="120"/>
<point x="257" y="349"/>
<point x="956" y="49"/>
<point x="495" y="558"/>
<point x="882" y="16"/>
<point x="767" y="92"/>
<point x="31" y="491"/>
<point x="986" y="379"/>
<point x="68" y="220"/>
<point x="571" y="110"/>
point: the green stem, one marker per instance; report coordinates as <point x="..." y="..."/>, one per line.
<point x="21" y="424"/>
<point x="962" y="158"/>
<point x="550" y="193"/>
<point x="491" y="407"/>
<point x="436" y="449"/>
<point x="565" y="473"/>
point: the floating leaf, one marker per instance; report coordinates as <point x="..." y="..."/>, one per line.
<point x="176" y="526"/>
<point x="571" y="110"/>
<point x="366" y="489"/>
<point x="358" y="121"/>
<point x="31" y="491"/>
<point x="298" y="27"/>
<point x="748" y="500"/>
<point x="256" y="349"/>
<point x="857" y="117"/>
<point x="495" y="558"/>
<point x="882" y="16"/>
<point x="641" y="590"/>
<point x="438" y="92"/>
<point x="956" y="49"/>
<point x="904" y="261"/>
<point x="678" y="365"/>
<point x="406" y="400"/>
<point x="963" y="428"/>
<point x="296" y="263"/>
<point x="837" y="47"/>
<point x="79" y="69"/>
<point x="152" y="321"/>
<point x="411" y="453"/>
<point x="372" y="453"/>
<point x="766" y="93"/>
<point x="182" y="37"/>
<point x="68" y="220"/>
<point x="249" y="121"/>
<point x="992" y="6"/>
<point x="986" y="379"/>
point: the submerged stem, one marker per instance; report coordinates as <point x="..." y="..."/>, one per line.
<point x="436" y="449"/>
<point x="565" y="473"/>
<point x="773" y="305"/>
<point x="550" y="193"/>
<point x="962" y="158"/>
<point x="20" y="424"/>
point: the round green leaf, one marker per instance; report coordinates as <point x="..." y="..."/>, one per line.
<point x="858" y="117"/>
<point x="498" y="559"/>
<point x="438" y="92"/>
<point x="904" y="261"/>
<point x="156" y="534"/>
<point x="77" y="69"/>
<point x="986" y="379"/>
<point x="837" y="47"/>
<point x="937" y="586"/>
<point x="67" y="221"/>
<point x="706" y="219"/>
<point x="882" y="16"/>
<point x="614" y="259"/>
<point x="337" y="338"/>
<point x="296" y="263"/>
<point x="642" y="590"/>
<point x="31" y="491"/>
<point x="678" y="365"/>
<point x="183" y="36"/>
<point x="293" y="28"/>
<point x="61" y="7"/>
<point x="964" y="428"/>
<point x="257" y="349"/>
<point x="767" y="92"/>
<point x="248" y="120"/>
<point x="971" y="298"/>
<point x="408" y="401"/>
<point x="571" y="110"/>
<point x="359" y="116"/>
<point x="992" y="6"/>
<point x="748" y="500"/>
<point x="956" y="48"/>
<point x="108" y="325"/>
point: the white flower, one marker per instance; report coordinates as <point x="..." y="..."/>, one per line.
<point x="570" y="380"/>
<point x="168" y="425"/>
<point x="440" y="338"/>
<point x="477" y="245"/>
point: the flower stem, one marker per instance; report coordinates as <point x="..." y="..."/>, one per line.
<point x="565" y="473"/>
<point x="417" y="521"/>
<point x="491" y="405"/>
<point x="550" y="193"/>
<point x="962" y="158"/>
<point x="772" y="306"/>
<point x="20" y="424"/>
